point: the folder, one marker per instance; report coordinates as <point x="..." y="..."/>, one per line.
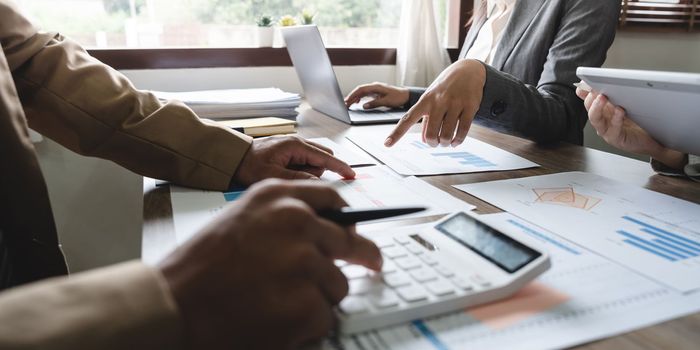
<point x="260" y="126"/>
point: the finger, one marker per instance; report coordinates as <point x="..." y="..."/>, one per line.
<point x="449" y="126"/>
<point x="305" y="154"/>
<point x="320" y="146"/>
<point x="465" y="123"/>
<point x="432" y="128"/>
<point x="316" y="172"/>
<point x="407" y="121"/>
<point x="582" y="94"/>
<point x="361" y="91"/>
<point x="377" y="102"/>
<point x="343" y="243"/>
<point x="331" y="281"/>
<point x="289" y="174"/>
<point x="616" y="121"/>
<point x="595" y="115"/>
<point x="589" y="100"/>
<point x="318" y="319"/>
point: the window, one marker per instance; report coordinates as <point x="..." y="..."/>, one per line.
<point x="216" y="23"/>
<point x="148" y="34"/>
<point x="660" y="14"/>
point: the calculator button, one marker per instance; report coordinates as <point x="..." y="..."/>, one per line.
<point x="478" y="279"/>
<point x="397" y="280"/>
<point x="403" y="240"/>
<point x="383" y="299"/>
<point x="443" y="270"/>
<point x="388" y="267"/>
<point x="415" y="249"/>
<point x="354" y="271"/>
<point x="461" y="283"/>
<point x="360" y="286"/>
<point x="440" y="287"/>
<point x="428" y="259"/>
<point x="412" y="293"/>
<point x="423" y="275"/>
<point x="383" y="242"/>
<point x="408" y="263"/>
<point x="353" y="305"/>
<point x="394" y="252"/>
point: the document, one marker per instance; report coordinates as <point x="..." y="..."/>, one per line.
<point x="237" y="103"/>
<point x="345" y="153"/>
<point x="373" y="187"/>
<point x="582" y="298"/>
<point x="379" y="186"/>
<point x="410" y="156"/>
<point x="651" y="233"/>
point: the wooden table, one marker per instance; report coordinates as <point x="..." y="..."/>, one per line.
<point x="684" y="333"/>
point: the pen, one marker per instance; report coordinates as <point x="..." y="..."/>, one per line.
<point x="349" y="216"/>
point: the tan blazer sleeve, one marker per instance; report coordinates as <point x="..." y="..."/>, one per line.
<point x="127" y="306"/>
<point x="94" y="110"/>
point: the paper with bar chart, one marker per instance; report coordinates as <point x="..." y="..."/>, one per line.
<point x="347" y="153"/>
<point x="410" y="156"/>
<point x="582" y="298"/>
<point x="654" y="234"/>
<point x="373" y="187"/>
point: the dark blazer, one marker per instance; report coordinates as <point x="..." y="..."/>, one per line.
<point x="529" y="89"/>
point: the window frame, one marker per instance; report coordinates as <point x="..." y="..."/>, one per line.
<point x="175" y="58"/>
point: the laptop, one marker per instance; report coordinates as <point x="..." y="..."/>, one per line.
<point x="319" y="82"/>
<point x="665" y="104"/>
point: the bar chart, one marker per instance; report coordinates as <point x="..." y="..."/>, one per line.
<point x="659" y="242"/>
<point x="411" y="156"/>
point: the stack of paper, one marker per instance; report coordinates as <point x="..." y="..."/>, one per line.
<point x="237" y="103"/>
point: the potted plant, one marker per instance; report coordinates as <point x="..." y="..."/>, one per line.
<point x="307" y="17"/>
<point x="286" y="21"/>
<point x="265" y="33"/>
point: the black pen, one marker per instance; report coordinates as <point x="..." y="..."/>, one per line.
<point x="350" y="216"/>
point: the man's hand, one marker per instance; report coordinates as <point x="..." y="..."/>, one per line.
<point x="611" y="124"/>
<point x="448" y="106"/>
<point x="288" y="157"/>
<point x="262" y="276"/>
<point x="384" y="96"/>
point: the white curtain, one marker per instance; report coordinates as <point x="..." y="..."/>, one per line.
<point x="420" y="55"/>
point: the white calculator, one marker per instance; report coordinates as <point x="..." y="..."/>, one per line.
<point x="433" y="269"/>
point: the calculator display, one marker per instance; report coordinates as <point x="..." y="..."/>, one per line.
<point x="509" y="254"/>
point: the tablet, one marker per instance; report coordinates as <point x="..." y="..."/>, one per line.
<point x="665" y="104"/>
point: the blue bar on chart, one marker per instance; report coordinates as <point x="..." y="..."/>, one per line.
<point x="466" y="158"/>
<point x="232" y="196"/>
<point x="234" y="192"/>
<point x="662" y="243"/>
<point x="544" y="237"/>
<point x="420" y="145"/>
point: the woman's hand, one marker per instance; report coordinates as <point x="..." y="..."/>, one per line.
<point x="448" y="106"/>
<point x="611" y="123"/>
<point x="384" y="96"/>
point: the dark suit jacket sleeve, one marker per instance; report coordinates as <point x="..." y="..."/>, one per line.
<point x="551" y="111"/>
<point x="94" y="110"/>
<point x="691" y="169"/>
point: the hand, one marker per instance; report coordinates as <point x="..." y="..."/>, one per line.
<point x="384" y="96"/>
<point x="611" y="123"/>
<point x="288" y="157"/>
<point x="262" y="276"/>
<point x="448" y="106"/>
